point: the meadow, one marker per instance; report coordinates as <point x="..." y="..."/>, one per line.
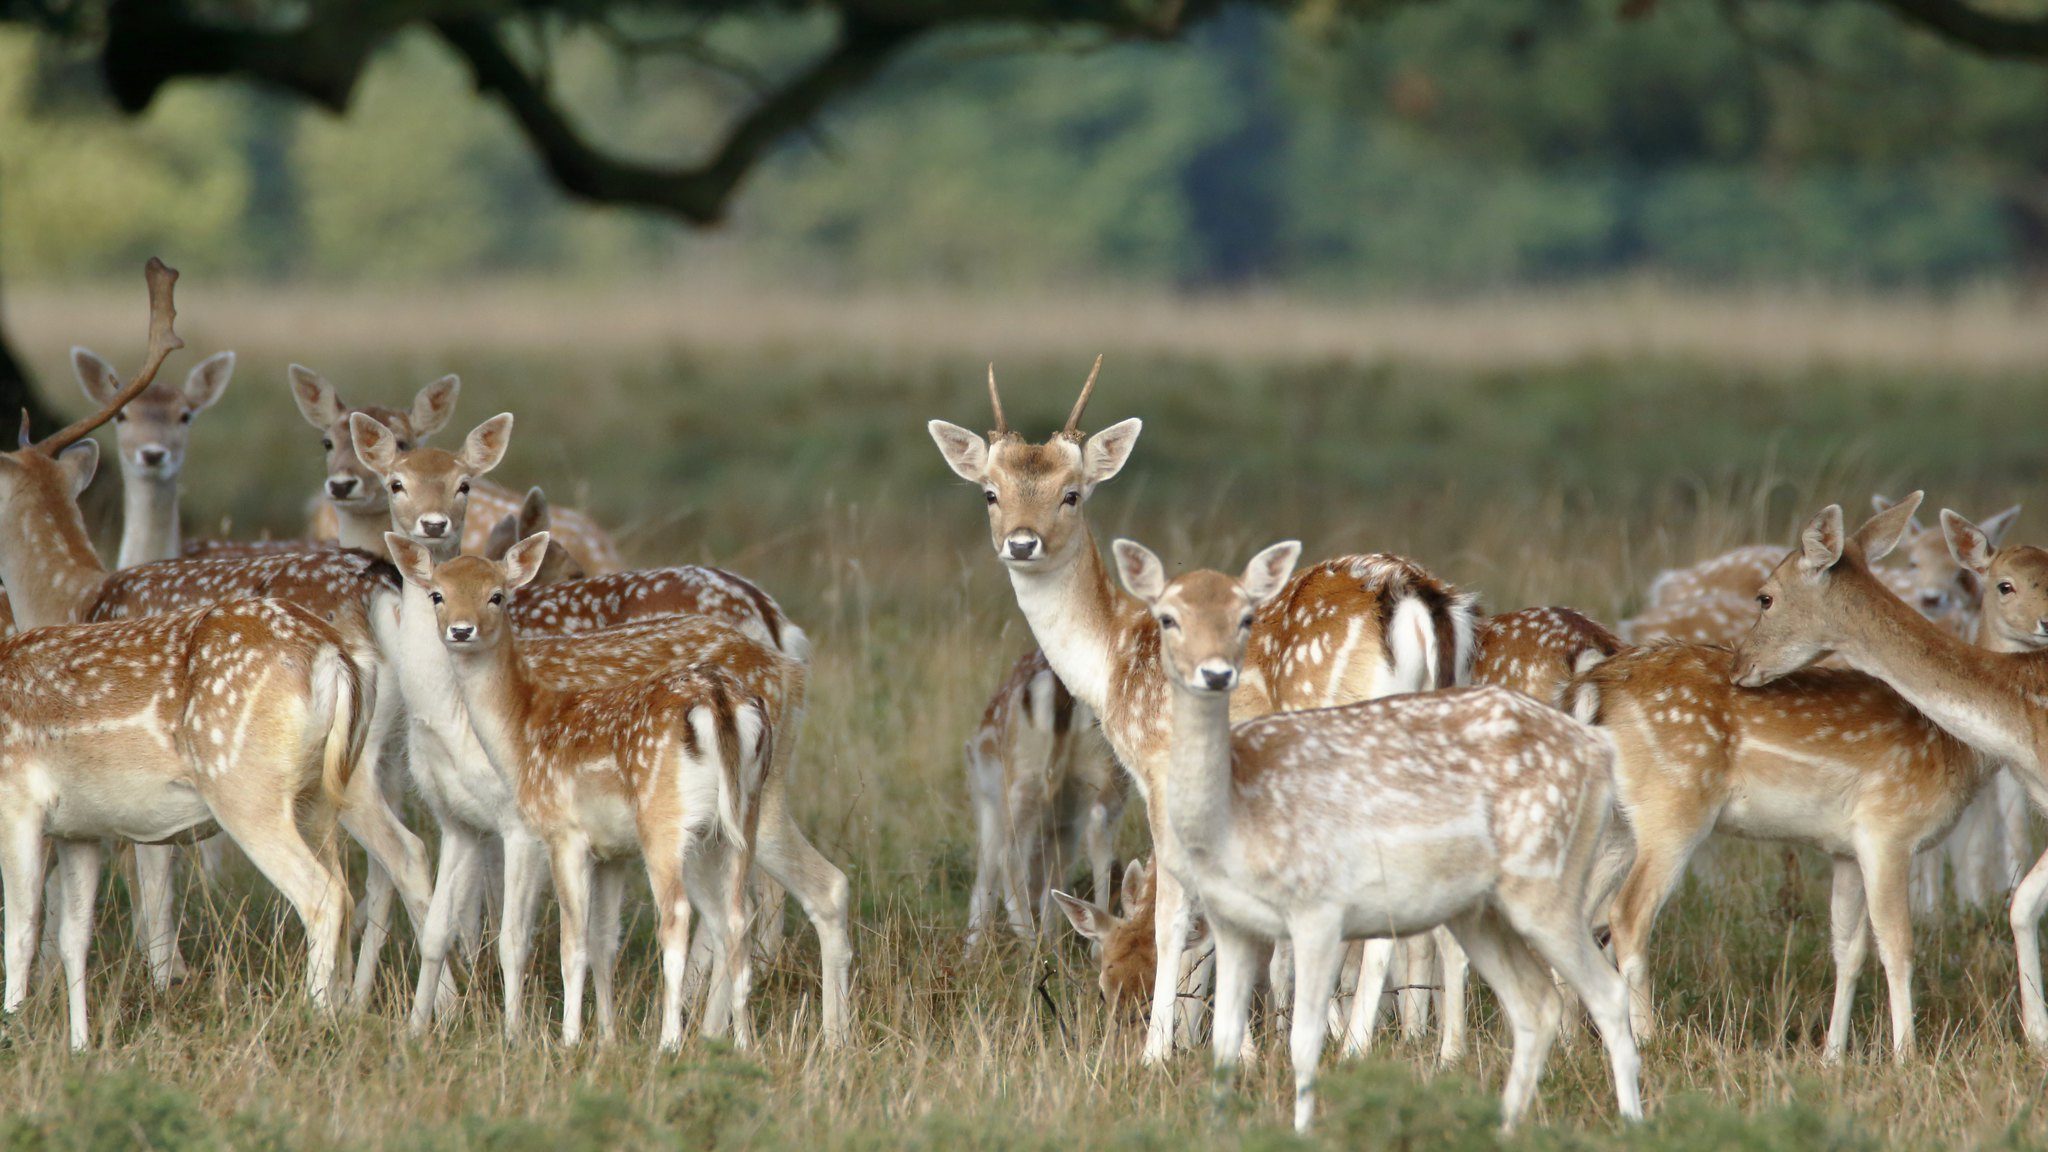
<point x="1528" y="465"/>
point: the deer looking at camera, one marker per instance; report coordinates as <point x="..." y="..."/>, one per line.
<point x="1476" y="808"/>
<point x="1347" y="629"/>
<point x="1824" y="599"/>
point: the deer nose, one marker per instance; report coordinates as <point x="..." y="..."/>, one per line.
<point x="1218" y="676"/>
<point x="341" y="487"/>
<point x="1021" y="545"/>
<point x="151" y="454"/>
<point x="1931" y="599"/>
<point x="460" y="633"/>
<point x="433" y="527"/>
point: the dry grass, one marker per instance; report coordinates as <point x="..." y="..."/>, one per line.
<point x="1568" y="482"/>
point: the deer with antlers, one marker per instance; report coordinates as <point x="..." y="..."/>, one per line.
<point x="1344" y="630"/>
<point x="1043" y="787"/>
<point x="1476" y="808"/>
<point x="1824" y="599"/>
<point x="685" y="617"/>
<point x="354" y="509"/>
<point x="242" y="714"/>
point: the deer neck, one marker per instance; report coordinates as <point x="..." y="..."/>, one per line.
<point x="149" y="520"/>
<point x="503" y="697"/>
<point x="1198" y="772"/>
<point x="47" y="562"/>
<point x="1078" y="618"/>
<point x="365" y="530"/>
<point x="427" y="677"/>
<point x="1980" y="697"/>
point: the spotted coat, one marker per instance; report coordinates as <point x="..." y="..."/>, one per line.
<point x="574" y="606"/>
<point x="1537" y="651"/>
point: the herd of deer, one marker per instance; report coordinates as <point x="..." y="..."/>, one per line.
<point x="1344" y="768"/>
<point x="1350" y="766"/>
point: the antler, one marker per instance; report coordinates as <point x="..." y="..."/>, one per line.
<point x="26" y="439"/>
<point x="1002" y="425"/>
<point x="1088" y="389"/>
<point x="163" y="340"/>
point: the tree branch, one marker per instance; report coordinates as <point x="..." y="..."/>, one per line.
<point x="152" y="42"/>
<point x="698" y="194"/>
<point x="2005" y="37"/>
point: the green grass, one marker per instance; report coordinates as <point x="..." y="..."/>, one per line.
<point x="812" y="472"/>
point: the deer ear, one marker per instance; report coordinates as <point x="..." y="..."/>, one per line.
<point x="80" y="462"/>
<point x="1969" y="545"/>
<point x="95" y="375"/>
<point x="504" y="534"/>
<point x="1142" y="572"/>
<point x="1091" y="921"/>
<point x="1883" y="503"/>
<point x="1820" y="544"/>
<point x="410" y="558"/>
<point x="1106" y="452"/>
<point x="207" y="380"/>
<point x="1267" y="574"/>
<point x="966" y="454"/>
<point x="533" y="512"/>
<point x="1882" y="532"/>
<point x="487" y="443"/>
<point x="1137" y="886"/>
<point x="318" y="402"/>
<point x="523" y="561"/>
<point x="375" y="444"/>
<point x="434" y="405"/>
<point x="1995" y="527"/>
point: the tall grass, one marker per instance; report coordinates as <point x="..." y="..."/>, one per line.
<point x="807" y="467"/>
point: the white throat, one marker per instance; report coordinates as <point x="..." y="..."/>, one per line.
<point x="149" y="519"/>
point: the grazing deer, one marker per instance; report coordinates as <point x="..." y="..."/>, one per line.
<point x="53" y="576"/>
<point x="354" y="511"/>
<point x="1129" y="956"/>
<point x="690" y="616"/>
<point x="1347" y="629"/>
<point x="1475" y="808"/>
<point x="1827" y="758"/>
<point x="670" y="767"/>
<point x="1824" y="599"/>
<point x="1043" y="786"/>
<point x="531" y="520"/>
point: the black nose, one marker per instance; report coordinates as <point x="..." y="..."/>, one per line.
<point x="340" y="489"/>
<point x="433" y="527"/>
<point x="1218" y="678"/>
<point x="1022" y="549"/>
<point x="152" y="455"/>
<point x="461" y="632"/>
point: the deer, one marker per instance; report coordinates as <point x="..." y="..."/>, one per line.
<point x="686" y="616"/>
<point x="1347" y="629"/>
<point x="354" y="509"/>
<point x="1826" y="758"/>
<point x="670" y="767"/>
<point x="532" y="519"/>
<point x="1128" y="955"/>
<point x="152" y="433"/>
<point x="1477" y="808"/>
<point x="1043" y="790"/>
<point x="54" y="576"/>
<point x="1823" y="599"/>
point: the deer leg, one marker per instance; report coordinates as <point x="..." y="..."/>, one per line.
<point x="1527" y="998"/>
<point x="1318" y="954"/>
<point x="988" y="866"/>
<point x="156" y="914"/>
<point x="1558" y="933"/>
<point x="664" y="860"/>
<point x="1374" y="960"/>
<point x="1453" y="967"/>
<point x="1659" y="866"/>
<point x="573" y="869"/>
<point x="1237" y="964"/>
<point x="1891" y="922"/>
<point x="268" y="833"/>
<point x="21" y="877"/>
<point x="78" y="861"/>
<point x="786" y="855"/>
<point x="1172" y="915"/>
<point x="459" y="857"/>
<point x="608" y="894"/>
<point x="1849" y="933"/>
<point x="1418" y="971"/>
<point x="526" y="873"/>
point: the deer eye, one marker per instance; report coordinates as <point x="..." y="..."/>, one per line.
<point x="404" y="447"/>
<point x="120" y="417"/>
<point x="1071" y="498"/>
<point x="462" y="489"/>
<point x="326" y="445"/>
<point x="2005" y="588"/>
<point x="991" y="494"/>
<point x="184" y="417"/>
<point x="434" y="596"/>
<point x="397" y="486"/>
<point x="1169" y="623"/>
<point x="497" y="597"/>
<point x="1763" y="601"/>
<point x="1246" y="623"/>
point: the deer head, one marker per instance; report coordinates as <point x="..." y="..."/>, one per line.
<point x="469" y="592"/>
<point x="1035" y="491"/>
<point x="2015" y="583"/>
<point x="533" y="517"/>
<point x="351" y="485"/>
<point x="1205" y="618"/>
<point x="1804" y="613"/>
<point x="427" y="489"/>
<point x="153" y="430"/>
<point x="1939" y="585"/>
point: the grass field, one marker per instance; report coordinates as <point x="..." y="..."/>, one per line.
<point x="1567" y="477"/>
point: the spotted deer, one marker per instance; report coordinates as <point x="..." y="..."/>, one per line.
<point x="1347" y="629"/>
<point x="354" y="509"/>
<point x="670" y="767"/>
<point x="532" y="519"/>
<point x="1044" y="791"/>
<point x="627" y="627"/>
<point x="1825" y="758"/>
<point x="1475" y="808"/>
<point x="1824" y="599"/>
<point x="53" y="576"/>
